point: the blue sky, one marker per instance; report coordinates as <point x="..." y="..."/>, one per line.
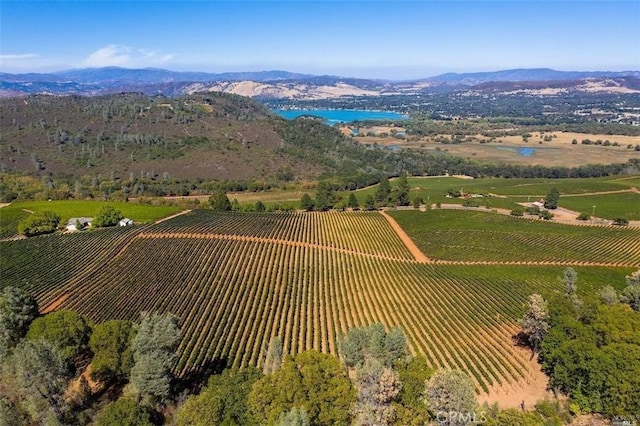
<point x="380" y="39"/>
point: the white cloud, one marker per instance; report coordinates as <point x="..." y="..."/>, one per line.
<point x="17" y="57"/>
<point x="17" y="62"/>
<point x="125" y="56"/>
<point x="111" y="55"/>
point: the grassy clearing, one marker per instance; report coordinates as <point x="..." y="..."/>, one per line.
<point x="608" y="206"/>
<point x="507" y="193"/>
<point x="9" y="220"/>
<point x="11" y="215"/>
<point x="481" y="236"/>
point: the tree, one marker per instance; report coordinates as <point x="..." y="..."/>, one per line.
<point x="153" y="354"/>
<point x="401" y="194"/>
<point x="609" y="296"/>
<point x="377" y="387"/>
<point x="450" y="394"/>
<point x="417" y="202"/>
<point x="570" y="281"/>
<point x="362" y="343"/>
<point x="124" y="412"/>
<point x="631" y="293"/>
<point x="383" y="192"/>
<point x="353" y="202"/>
<point x="311" y="380"/>
<point x="369" y="203"/>
<point x="219" y="201"/>
<point x="17" y="310"/>
<point x="110" y="343"/>
<point x="9" y="415"/>
<point x="306" y="203"/>
<point x="67" y="330"/>
<point x="222" y="401"/>
<point x="595" y="358"/>
<point x="39" y="223"/>
<point x="273" y="359"/>
<point x="260" y="207"/>
<point x="324" y="196"/>
<point x="518" y="211"/>
<point x="107" y="216"/>
<point x="36" y="375"/>
<point x="535" y="322"/>
<point x="294" y="417"/>
<point x="552" y="198"/>
<point x="410" y="406"/>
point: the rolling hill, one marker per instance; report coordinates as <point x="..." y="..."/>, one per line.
<point x="279" y="84"/>
<point x="203" y="136"/>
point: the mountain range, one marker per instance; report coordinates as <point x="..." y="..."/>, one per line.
<point x="288" y="85"/>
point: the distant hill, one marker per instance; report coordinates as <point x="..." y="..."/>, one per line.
<point x="534" y="74"/>
<point x="279" y="84"/>
<point x="118" y="75"/>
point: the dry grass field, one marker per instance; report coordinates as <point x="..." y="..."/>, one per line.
<point x="557" y="152"/>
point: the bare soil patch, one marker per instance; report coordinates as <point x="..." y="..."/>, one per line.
<point x="527" y="391"/>
<point x="172" y="216"/>
<point x="408" y="242"/>
<point x="54" y="305"/>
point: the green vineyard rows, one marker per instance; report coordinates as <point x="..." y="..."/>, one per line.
<point x="236" y="280"/>
<point x="484" y="236"/>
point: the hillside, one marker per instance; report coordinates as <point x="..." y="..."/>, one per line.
<point x="206" y="136"/>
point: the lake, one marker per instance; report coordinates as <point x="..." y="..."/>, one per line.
<point x="525" y="152"/>
<point x="333" y="116"/>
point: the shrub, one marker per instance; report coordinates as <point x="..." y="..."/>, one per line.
<point x="39" y="223"/>
<point x="621" y="221"/>
<point x="518" y="211"/>
<point x="107" y="216"/>
<point x="546" y="215"/>
<point x="583" y="216"/>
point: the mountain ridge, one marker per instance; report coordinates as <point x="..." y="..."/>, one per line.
<point x="272" y="83"/>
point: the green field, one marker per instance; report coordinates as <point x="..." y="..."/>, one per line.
<point x="608" y="206"/>
<point x="11" y="215"/>
<point x="507" y="193"/>
<point x="9" y="220"/>
<point x="485" y="236"/>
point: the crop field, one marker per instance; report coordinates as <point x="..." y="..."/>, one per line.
<point x="609" y="206"/>
<point x="484" y="236"/>
<point x="236" y="280"/>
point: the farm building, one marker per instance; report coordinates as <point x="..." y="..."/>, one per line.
<point x="125" y="222"/>
<point x="78" y="223"/>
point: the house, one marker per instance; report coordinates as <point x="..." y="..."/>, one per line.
<point x="539" y="204"/>
<point x="125" y="222"/>
<point x="78" y="223"/>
